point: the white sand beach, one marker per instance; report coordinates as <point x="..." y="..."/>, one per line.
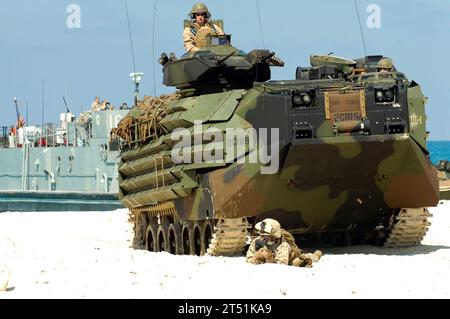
<point x="87" y="255"/>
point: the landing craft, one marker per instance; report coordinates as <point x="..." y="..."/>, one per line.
<point x="71" y="165"/>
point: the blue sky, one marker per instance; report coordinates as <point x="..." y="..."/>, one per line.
<point x="37" y="45"/>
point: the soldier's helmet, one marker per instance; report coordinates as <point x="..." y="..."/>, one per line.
<point x="385" y="64"/>
<point x="200" y="7"/>
<point x="269" y="227"/>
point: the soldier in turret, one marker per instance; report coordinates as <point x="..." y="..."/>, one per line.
<point x="196" y="33"/>
<point x="275" y="245"/>
<point x="385" y="65"/>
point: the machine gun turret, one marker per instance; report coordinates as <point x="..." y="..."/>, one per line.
<point x="219" y="66"/>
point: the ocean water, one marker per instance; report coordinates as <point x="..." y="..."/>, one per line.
<point x="439" y="150"/>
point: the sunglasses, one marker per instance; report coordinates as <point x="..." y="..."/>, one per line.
<point x="200" y="14"/>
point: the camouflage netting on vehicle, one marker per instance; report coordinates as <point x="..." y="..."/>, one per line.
<point x="143" y="122"/>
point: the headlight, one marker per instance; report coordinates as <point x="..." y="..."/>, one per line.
<point x="297" y="100"/>
<point x="385" y="95"/>
<point x="390" y="94"/>
<point x="303" y="99"/>
<point x="379" y="95"/>
<point x="306" y="98"/>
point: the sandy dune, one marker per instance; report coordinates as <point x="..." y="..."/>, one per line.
<point x="87" y="255"/>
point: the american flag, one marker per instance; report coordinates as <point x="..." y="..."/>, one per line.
<point x="20" y="121"/>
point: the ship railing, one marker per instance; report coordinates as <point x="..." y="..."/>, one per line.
<point x="4" y="137"/>
<point x="47" y="135"/>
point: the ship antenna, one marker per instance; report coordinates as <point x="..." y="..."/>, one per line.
<point x="43" y="103"/>
<point x="17" y="110"/>
<point x="260" y="24"/>
<point x="26" y="120"/>
<point x="135" y="76"/>
<point x="362" y="33"/>
<point x="65" y="103"/>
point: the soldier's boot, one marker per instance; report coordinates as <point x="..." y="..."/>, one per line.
<point x="307" y="259"/>
<point x="296" y="262"/>
<point x="253" y="261"/>
<point x="313" y="257"/>
<point x="318" y="254"/>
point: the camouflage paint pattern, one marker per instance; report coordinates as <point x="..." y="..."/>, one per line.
<point x="346" y="160"/>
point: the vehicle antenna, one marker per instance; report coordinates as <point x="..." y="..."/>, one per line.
<point x="362" y="33"/>
<point x="130" y="37"/>
<point x="135" y="76"/>
<point x="260" y="24"/>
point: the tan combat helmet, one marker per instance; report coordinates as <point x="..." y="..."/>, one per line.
<point x="200" y="7"/>
<point x="385" y="64"/>
<point x="270" y="227"/>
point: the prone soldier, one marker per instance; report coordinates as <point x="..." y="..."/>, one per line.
<point x="275" y="245"/>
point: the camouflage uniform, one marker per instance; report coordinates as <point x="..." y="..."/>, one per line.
<point x="275" y="245"/>
<point x="195" y="36"/>
<point x="273" y="252"/>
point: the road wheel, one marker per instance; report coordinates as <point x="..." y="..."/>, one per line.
<point x="163" y="242"/>
<point x="152" y="238"/>
<point x="187" y="237"/>
<point x="174" y="239"/>
<point x="199" y="247"/>
<point x="207" y="233"/>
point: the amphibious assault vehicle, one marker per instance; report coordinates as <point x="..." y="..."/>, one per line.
<point x="338" y="152"/>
